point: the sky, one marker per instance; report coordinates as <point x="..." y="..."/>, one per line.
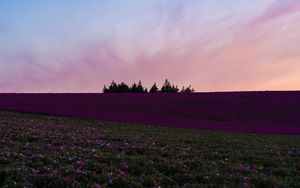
<point x="215" y="45"/>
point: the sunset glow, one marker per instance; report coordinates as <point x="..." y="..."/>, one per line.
<point x="216" y="45"/>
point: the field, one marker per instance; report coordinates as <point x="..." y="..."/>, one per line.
<point x="249" y="112"/>
<point x="243" y="139"/>
<point x="39" y="150"/>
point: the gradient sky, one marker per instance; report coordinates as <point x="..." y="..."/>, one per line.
<point x="215" y="45"/>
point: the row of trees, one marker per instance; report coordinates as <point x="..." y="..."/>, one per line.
<point x="138" y="88"/>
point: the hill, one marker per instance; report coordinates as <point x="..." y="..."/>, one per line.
<point x="250" y="112"/>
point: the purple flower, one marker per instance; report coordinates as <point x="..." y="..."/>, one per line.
<point x="68" y="181"/>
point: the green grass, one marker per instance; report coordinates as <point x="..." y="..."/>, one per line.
<point x="49" y="151"/>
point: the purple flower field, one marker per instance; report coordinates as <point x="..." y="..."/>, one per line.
<point x="249" y="112"/>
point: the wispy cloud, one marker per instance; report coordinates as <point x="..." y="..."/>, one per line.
<point x="223" y="52"/>
<point x="276" y="10"/>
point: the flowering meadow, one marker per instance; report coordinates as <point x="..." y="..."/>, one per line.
<point x="51" y="151"/>
<point x="249" y="112"/>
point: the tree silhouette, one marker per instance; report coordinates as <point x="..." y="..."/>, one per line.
<point x="123" y="88"/>
<point x="166" y="87"/>
<point x="188" y="89"/>
<point x="113" y="88"/>
<point x="133" y="88"/>
<point x="154" y="88"/>
<point x="183" y="89"/>
<point x="105" y="90"/>
<point x="174" y="89"/>
<point x="140" y="88"/>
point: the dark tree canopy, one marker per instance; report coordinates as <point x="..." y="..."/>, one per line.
<point x="105" y="90"/>
<point x="154" y="88"/>
<point x="139" y="88"/>
<point x="133" y="88"/>
<point x="123" y="88"/>
<point x="113" y="88"/>
<point x="166" y="87"/>
<point x="188" y="89"/>
<point x="174" y="89"/>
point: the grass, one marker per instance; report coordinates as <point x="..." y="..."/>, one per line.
<point x="50" y="151"/>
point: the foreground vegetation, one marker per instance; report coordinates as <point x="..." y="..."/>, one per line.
<point x="39" y="150"/>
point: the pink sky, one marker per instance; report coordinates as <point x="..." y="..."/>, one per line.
<point x="215" y="45"/>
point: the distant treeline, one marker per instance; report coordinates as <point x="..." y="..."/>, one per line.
<point x="138" y="88"/>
